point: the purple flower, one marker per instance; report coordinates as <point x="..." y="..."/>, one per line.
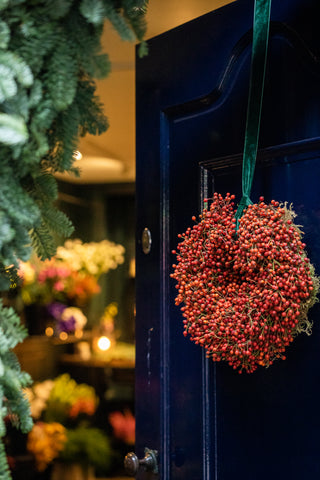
<point x="68" y="319"/>
<point x="56" y="309"/>
<point x="66" y="325"/>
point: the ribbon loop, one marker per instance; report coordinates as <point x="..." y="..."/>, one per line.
<point x="261" y="24"/>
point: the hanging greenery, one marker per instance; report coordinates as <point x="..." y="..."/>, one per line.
<point x="50" y="54"/>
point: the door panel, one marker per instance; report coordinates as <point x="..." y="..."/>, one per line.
<point x="207" y="421"/>
<point x="262" y="418"/>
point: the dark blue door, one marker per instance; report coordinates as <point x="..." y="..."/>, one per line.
<point x="205" y="420"/>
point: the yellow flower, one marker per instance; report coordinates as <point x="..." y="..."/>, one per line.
<point x="93" y="258"/>
<point x="45" y="441"/>
<point x="27" y="273"/>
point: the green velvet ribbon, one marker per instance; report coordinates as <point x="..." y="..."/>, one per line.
<point x="261" y="25"/>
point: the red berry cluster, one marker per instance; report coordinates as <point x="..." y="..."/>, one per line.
<point x="246" y="293"/>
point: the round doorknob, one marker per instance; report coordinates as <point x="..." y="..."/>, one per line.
<point x="149" y="462"/>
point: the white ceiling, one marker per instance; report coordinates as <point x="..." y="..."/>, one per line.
<point x="117" y="93"/>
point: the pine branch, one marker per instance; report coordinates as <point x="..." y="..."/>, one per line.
<point x="4" y="468"/>
<point x="98" y="66"/>
<point x="93" y="10"/>
<point x="61" y="78"/>
<point x="42" y="242"/>
<point x="57" y="9"/>
<point x="46" y="186"/>
<point x="8" y="86"/>
<point x="92" y="119"/>
<point x="12" y="380"/>
<point x="64" y="138"/>
<point x="119" y="22"/>
<point x="18" y="66"/>
<point x="136" y="17"/>
<point x="50" y="54"/>
<point x="4" y="35"/>
<point x="12" y="129"/>
<point x="56" y="221"/>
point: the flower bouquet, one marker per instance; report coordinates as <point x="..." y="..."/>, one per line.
<point x="66" y="319"/>
<point x="71" y="276"/>
<point x="63" y="430"/>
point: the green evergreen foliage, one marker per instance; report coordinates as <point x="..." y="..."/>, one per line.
<point x="12" y="379"/>
<point x="4" y="469"/>
<point x="50" y="54"/>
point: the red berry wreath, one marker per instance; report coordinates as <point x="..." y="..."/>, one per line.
<point x="246" y="294"/>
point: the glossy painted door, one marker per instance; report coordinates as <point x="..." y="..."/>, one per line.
<point x="205" y="420"/>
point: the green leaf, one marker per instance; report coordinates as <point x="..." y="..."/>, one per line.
<point x="58" y="8"/>
<point x="62" y="77"/>
<point x="8" y="86"/>
<point x="93" y="11"/>
<point x="13" y="129"/>
<point x="4" y="468"/>
<point x="6" y="232"/>
<point x="120" y="24"/>
<point x="4" y="34"/>
<point x="135" y="15"/>
<point x="57" y="221"/>
<point x="18" y="105"/>
<point x="35" y="93"/>
<point x="41" y="140"/>
<point x="47" y="186"/>
<point x="98" y="66"/>
<point x="44" y="114"/>
<point x="3" y="4"/>
<point x="42" y="242"/>
<point x="143" y="49"/>
<point x="18" y="66"/>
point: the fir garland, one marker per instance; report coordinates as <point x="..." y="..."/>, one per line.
<point x="50" y="54"/>
<point x="13" y="403"/>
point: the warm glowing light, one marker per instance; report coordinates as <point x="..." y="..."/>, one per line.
<point x="77" y="155"/>
<point x="94" y="170"/>
<point x="63" y="336"/>
<point x="104" y="343"/>
<point x="78" y="333"/>
<point x="49" y="331"/>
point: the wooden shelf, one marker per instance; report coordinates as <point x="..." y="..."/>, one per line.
<point x="96" y="362"/>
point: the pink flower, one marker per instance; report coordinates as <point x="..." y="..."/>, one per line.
<point x="63" y="272"/>
<point x="58" y="286"/>
<point x="49" y="272"/>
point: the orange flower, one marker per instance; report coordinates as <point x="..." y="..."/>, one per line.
<point x="81" y="287"/>
<point x="82" y="405"/>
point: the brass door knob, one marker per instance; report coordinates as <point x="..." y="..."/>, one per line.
<point x="149" y="462"/>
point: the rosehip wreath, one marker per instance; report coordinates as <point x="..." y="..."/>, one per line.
<point x="246" y="293"/>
